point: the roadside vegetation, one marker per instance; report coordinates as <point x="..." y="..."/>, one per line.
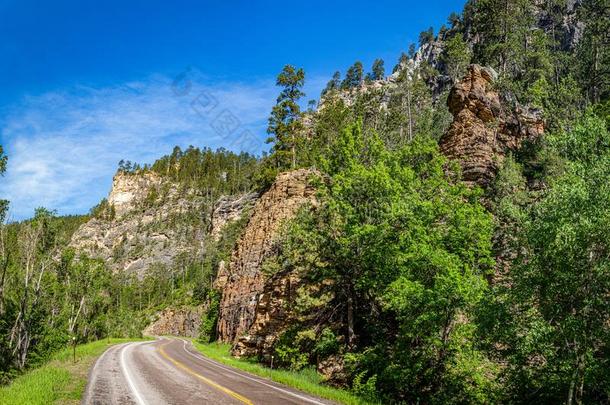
<point x="306" y="380"/>
<point x="60" y="381"/>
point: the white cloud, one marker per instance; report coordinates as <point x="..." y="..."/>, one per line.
<point x="64" y="146"/>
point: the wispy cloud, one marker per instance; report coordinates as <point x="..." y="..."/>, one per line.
<point x="64" y="146"/>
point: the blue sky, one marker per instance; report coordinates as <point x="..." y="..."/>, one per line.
<point x="85" y="84"/>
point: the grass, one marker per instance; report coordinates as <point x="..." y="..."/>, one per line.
<point x="60" y="381"/>
<point x="307" y="380"/>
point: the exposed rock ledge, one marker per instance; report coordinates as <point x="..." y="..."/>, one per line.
<point x="483" y="130"/>
<point x="176" y="322"/>
<point x="243" y="281"/>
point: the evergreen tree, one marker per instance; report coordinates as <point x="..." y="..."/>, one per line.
<point x="333" y="84"/>
<point x="594" y="50"/>
<point x="353" y="77"/>
<point x="377" y="71"/>
<point x="284" y="123"/>
<point x="503" y="27"/>
<point x="412" y="51"/>
<point x="402" y="61"/>
<point x="456" y="57"/>
<point x="454" y="19"/>
<point x="427" y="36"/>
<point x="3" y="203"/>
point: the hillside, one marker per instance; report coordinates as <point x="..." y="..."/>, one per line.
<point x="439" y="234"/>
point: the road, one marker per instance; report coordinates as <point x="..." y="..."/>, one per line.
<point x="171" y="371"/>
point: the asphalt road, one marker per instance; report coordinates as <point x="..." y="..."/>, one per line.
<point x="171" y="371"/>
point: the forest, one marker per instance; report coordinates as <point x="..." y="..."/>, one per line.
<point x="431" y="290"/>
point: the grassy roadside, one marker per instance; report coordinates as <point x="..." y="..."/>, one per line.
<point x="60" y="381"/>
<point x="306" y="380"/>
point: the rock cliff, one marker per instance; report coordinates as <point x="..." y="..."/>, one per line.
<point x="176" y="322"/>
<point x="153" y="222"/>
<point x="483" y="128"/>
<point x="242" y="281"/>
<point x="271" y="316"/>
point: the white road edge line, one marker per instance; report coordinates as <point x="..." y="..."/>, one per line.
<point x="250" y="378"/>
<point x="93" y="375"/>
<point x="127" y="375"/>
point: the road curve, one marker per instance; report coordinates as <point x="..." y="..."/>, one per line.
<point x="171" y="371"/>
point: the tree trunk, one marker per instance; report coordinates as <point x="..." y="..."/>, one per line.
<point x="351" y="335"/>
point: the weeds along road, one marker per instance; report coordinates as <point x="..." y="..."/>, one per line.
<point x="171" y="371"/>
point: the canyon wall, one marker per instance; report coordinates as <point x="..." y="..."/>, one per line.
<point x="242" y="281"/>
<point x="151" y="221"/>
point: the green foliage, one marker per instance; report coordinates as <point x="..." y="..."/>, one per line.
<point x="291" y="349"/>
<point x="284" y="123"/>
<point x="593" y="50"/>
<point x="402" y="61"/>
<point x="585" y="142"/>
<point x="353" y="76"/>
<point x="425" y="37"/>
<point x="549" y="315"/>
<point x="3" y="203"/>
<point x="333" y="84"/>
<point x="211" y="173"/>
<point x="366" y="390"/>
<point x="396" y="237"/>
<point x="207" y="331"/>
<point x="456" y="57"/>
<point x="396" y="257"/>
<point x="59" y="381"/>
<point x="103" y="210"/>
<point x="377" y="71"/>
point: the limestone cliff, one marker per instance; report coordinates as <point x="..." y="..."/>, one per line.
<point x="484" y="129"/>
<point x="242" y="281"/>
<point x="153" y="222"/>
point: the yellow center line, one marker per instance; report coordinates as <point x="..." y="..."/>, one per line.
<point x="204" y="379"/>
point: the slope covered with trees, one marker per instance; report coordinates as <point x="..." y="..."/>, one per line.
<point x="431" y="292"/>
<point x="414" y="287"/>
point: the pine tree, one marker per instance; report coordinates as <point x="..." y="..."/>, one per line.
<point x="454" y="19"/>
<point x="402" y="61"/>
<point x="377" y="71"/>
<point x="284" y="123"/>
<point x="427" y="36"/>
<point x="503" y="27"/>
<point x="333" y="84"/>
<point x="353" y="77"/>
<point x="456" y="56"/>
<point x="412" y="51"/>
<point x="594" y="50"/>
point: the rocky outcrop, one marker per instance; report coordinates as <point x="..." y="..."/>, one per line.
<point x="242" y="281"/>
<point x="154" y="222"/>
<point x="333" y="371"/>
<point x="483" y="129"/>
<point x="228" y="209"/>
<point x="271" y="315"/>
<point x="176" y="322"/>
